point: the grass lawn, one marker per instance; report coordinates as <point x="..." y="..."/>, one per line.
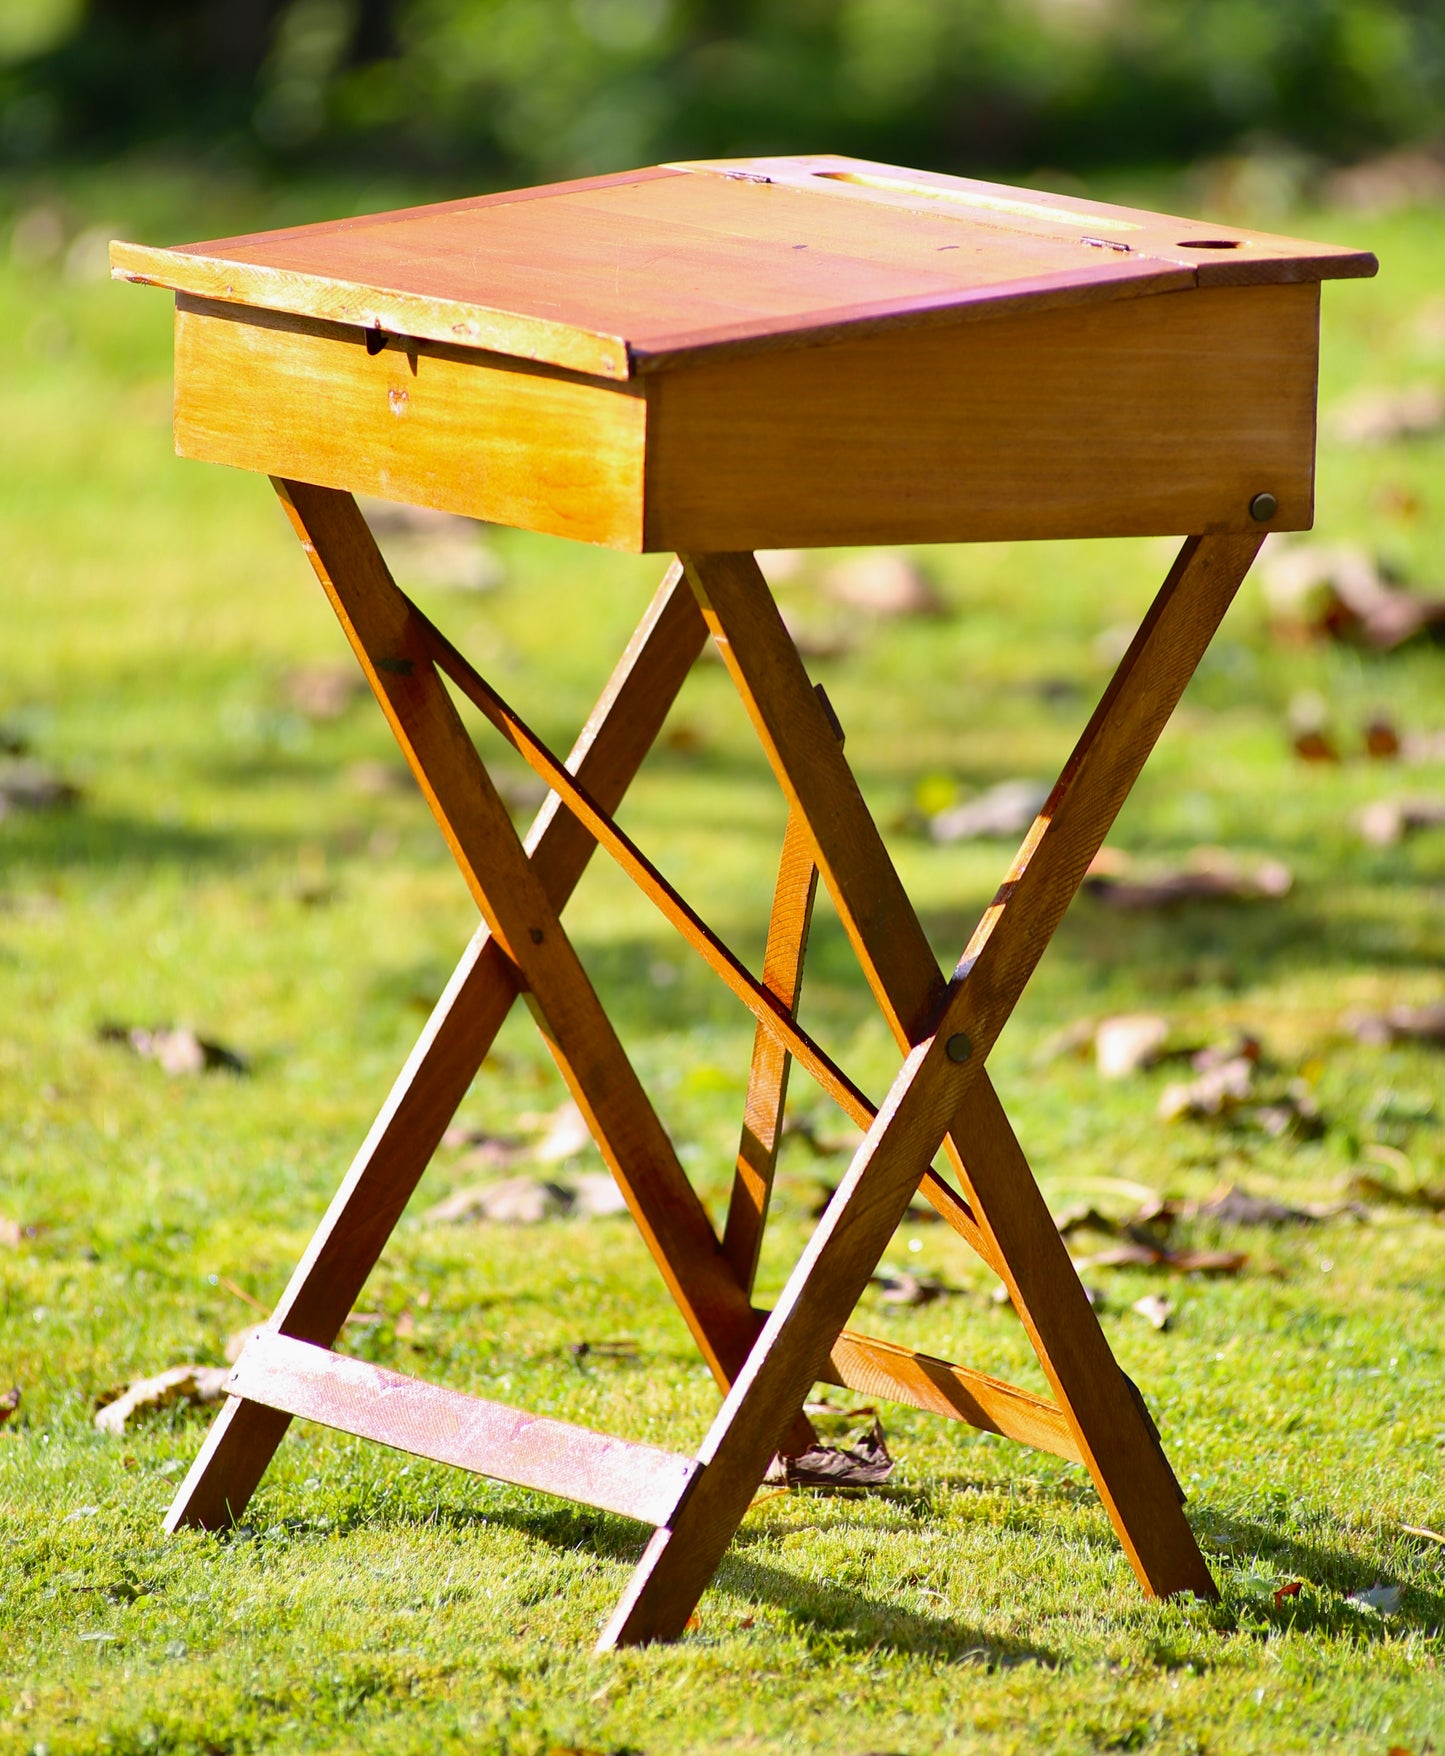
<point x="241" y="866"/>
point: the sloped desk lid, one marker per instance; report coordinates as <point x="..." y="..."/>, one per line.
<point x="642" y="271"/>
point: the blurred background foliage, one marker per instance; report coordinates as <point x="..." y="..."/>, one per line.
<point x="513" y="90"/>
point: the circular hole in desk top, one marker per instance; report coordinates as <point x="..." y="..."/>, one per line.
<point x="1207" y="243"/>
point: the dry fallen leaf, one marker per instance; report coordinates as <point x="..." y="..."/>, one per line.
<point x="28" y="786"/>
<point x="1004" y="810"/>
<point x="321" y="691"/>
<point x="1412" y="1024"/>
<point x="1384" y="822"/>
<point x="1375" y="417"/>
<point x="1211" y="875"/>
<point x="596" y="1195"/>
<point x="1335" y="591"/>
<point x="177" y="1049"/>
<point x="1382" y="741"/>
<point x="1129" y="1043"/>
<point x="1213" y="1093"/>
<point x="907" y="1289"/>
<point x="1291" y="1590"/>
<point x="1155" y="1311"/>
<point x="197" y="1384"/>
<point x="881" y="583"/>
<point x="864" y="1464"/>
<point x="9" y="1402"/>
<point x="519" y="1201"/>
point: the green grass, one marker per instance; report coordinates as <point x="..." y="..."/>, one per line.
<point x="221" y="871"/>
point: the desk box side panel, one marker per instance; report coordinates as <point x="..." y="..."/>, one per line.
<point x="1152" y="416"/>
<point x="420" y="422"/>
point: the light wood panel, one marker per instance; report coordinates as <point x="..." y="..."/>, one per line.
<point x="1155" y="416"/>
<point x="436" y="426"/>
<point x="427" y="1420"/>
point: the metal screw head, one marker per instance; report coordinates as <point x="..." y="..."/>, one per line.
<point x="958" y="1047"/>
<point x="1263" y="508"/>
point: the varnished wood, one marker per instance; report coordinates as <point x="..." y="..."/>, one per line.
<point x="884" y="1370"/>
<point x="392" y="650"/>
<point x="644" y="270"/>
<point x="1155" y="416"/>
<point x="762" y="1131"/>
<point x="925" y="1098"/>
<point x="714" y="357"/>
<point x="775" y="1019"/>
<point x="488" y="1438"/>
<point x="1159" y="415"/>
<point x="434" y="425"/>
<point x="362" y="1215"/>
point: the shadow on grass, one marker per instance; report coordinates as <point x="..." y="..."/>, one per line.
<point x="34" y="847"/>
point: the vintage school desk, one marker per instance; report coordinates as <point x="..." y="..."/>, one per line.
<point x="710" y="359"/>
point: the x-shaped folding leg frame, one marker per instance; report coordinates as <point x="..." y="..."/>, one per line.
<point x="766" y="1363"/>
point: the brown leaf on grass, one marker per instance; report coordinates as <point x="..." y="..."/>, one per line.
<point x="881" y="583"/>
<point x="1315" y="746"/>
<point x="176" y="1048"/>
<point x="904" y="1288"/>
<point x="1400" y="1024"/>
<point x="1210" y="875"/>
<point x="29" y="786"/>
<point x="9" y="1402"/>
<point x="1155" y="1311"/>
<point x="1234" y="1206"/>
<point x="1382" y="741"/>
<point x="863" y="1464"/>
<point x="1129" y="1043"/>
<point x="519" y="1201"/>
<point x="1368" y="1187"/>
<point x="321" y="691"/>
<point x="1376" y="417"/>
<point x="1335" y="591"/>
<point x="1384" y="822"/>
<point x="1293" y="1589"/>
<point x="193" y="1384"/>
<point x="596" y="1196"/>
<point x="1214" y="1093"/>
<point x="1143" y="1255"/>
<point x="1005" y="810"/>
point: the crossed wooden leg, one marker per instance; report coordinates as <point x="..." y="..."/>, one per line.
<point x="942" y="1089"/>
<point x="941" y="1098"/>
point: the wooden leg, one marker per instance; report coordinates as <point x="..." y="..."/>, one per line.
<point x="930" y="1095"/>
<point x="347" y="1244"/>
<point x="787" y="947"/>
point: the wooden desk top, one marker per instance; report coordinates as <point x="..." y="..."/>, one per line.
<point x="649" y="270"/>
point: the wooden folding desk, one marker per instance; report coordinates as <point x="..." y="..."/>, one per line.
<point x="710" y="359"/>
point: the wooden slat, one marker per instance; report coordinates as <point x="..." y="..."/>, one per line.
<point x="773" y="1017"/>
<point x="347" y="1244"/>
<point x="1155" y="416"/>
<point x="762" y="1131"/>
<point x="389" y="642"/>
<point x="425" y="423"/>
<point x="899" y="1374"/>
<point x="1131" y="1473"/>
<point x="488" y="1438"/>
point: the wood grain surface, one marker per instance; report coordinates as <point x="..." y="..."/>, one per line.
<point x="426" y="1420"/>
<point x="642" y="270"/>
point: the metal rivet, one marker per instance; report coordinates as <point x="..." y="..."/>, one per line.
<point x="1263" y="508"/>
<point x="958" y="1048"/>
